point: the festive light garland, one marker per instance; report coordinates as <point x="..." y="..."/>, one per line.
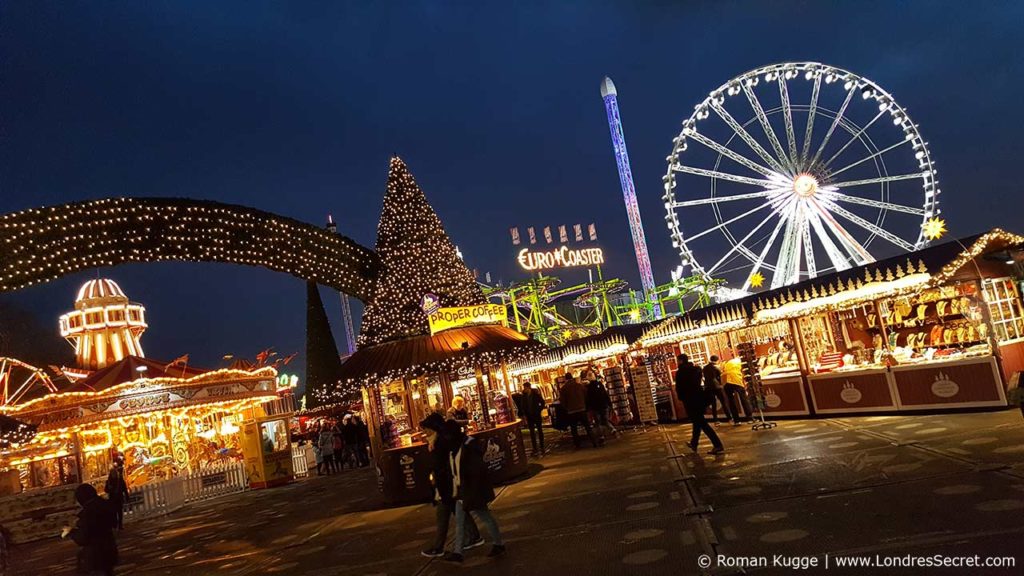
<point x="42" y="244"/>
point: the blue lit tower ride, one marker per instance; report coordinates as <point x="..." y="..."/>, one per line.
<point x="643" y="261"/>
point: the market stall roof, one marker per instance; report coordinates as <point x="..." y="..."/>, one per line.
<point x="129" y="369"/>
<point x="413" y="356"/>
<point x="931" y="266"/>
<point x="612" y="340"/>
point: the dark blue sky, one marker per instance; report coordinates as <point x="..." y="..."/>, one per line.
<point x="296" y="107"/>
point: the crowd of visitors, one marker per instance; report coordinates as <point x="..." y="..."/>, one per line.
<point x="337" y="446"/>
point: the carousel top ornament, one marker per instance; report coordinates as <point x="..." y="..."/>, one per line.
<point x="105" y="327"/>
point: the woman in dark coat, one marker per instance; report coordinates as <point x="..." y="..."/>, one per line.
<point x="94" y="532"/>
<point x="472" y="489"/>
<point x="444" y="495"/>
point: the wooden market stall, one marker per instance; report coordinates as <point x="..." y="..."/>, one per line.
<point x="942" y="327"/>
<point x="402" y="381"/>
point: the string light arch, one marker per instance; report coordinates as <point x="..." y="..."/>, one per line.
<point x="39" y="245"/>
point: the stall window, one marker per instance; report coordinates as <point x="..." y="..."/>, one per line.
<point x="1005" y="309"/>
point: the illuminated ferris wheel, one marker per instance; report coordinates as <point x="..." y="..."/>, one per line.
<point x="793" y="170"/>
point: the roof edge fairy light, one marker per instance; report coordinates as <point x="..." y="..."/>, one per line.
<point x="39" y="245"/>
<point x="896" y="276"/>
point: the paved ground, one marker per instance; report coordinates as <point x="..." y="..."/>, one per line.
<point x="644" y="504"/>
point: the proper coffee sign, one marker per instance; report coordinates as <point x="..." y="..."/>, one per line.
<point x="445" y="318"/>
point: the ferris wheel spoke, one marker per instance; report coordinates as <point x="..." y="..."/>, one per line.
<point x="805" y="226"/>
<point x="746" y="137"/>
<point x="729" y="221"/>
<point x="738" y="245"/>
<point x="788" y="264"/>
<point x="810" y="117"/>
<point x="764" y="251"/>
<point x="725" y="176"/>
<point x="834" y="196"/>
<point x="870" y="227"/>
<point x="717" y="199"/>
<point x="839" y="260"/>
<point x="872" y="157"/>
<point x="879" y="180"/>
<point x="787" y="116"/>
<point x="739" y="158"/>
<point x="835" y="124"/>
<point x="855" y="137"/>
<point x="858" y="254"/>
<point x="766" y="126"/>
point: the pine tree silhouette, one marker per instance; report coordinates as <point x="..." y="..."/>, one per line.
<point x="323" y="365"/>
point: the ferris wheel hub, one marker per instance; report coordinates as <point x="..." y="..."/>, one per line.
<point x="805" y="185"/>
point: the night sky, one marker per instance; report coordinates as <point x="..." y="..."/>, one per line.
<point x="495" y="106"/>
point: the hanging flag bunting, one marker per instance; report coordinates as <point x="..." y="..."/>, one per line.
<point x="515" y="236"/>
<point x="562" y="234"/>
<point x="533" y="235"/>
<point x="592" y="232"/>
<point x="547" y="234"/>
<point x="578" y="229"/>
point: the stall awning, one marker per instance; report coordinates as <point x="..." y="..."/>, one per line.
<point x="467" y="346"/>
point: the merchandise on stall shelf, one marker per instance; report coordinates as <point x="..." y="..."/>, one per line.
<point x="389" y="435"/>
<point x="645" y="391"/>
<point x="617" y="392"/>
<point x="502" y="408"/>
<point x="751" y="372"/>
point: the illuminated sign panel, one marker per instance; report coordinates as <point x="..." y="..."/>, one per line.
<point x="563" y="257"/>
<point x="445" y="318"/>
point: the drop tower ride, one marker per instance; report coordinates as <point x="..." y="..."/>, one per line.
<point x="643" y="261"/>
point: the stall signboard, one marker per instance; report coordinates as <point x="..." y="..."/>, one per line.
<point x="445" y="318"/>
<point x="562" y="257"/>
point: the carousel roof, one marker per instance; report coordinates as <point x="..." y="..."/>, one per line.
<point x="445" y="350"/>
<point x="129" y="369"/>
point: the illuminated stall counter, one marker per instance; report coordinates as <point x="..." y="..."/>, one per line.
<point x="403" y="474"/>
<point x="851" y="391"/>
<point x="964" y="383"/>
<point x="784" y="396"/>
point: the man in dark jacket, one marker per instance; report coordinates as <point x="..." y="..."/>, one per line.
<point x="573" y="397"/>
<point x="713" y="389"/>
<point x="94" y="532"/>
<point x="472" y="489"/>
<point x="598" y="404"/>
<point x="117" y="491"/>
<point x="363" y="440"/>
<point x="688" y="388"/>
<point x="444" y="494"/>
<point x="531" y="406"/>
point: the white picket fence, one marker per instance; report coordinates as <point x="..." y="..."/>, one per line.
<point x="216" y="480"/>
<point x="165" y="496"/>
<point x="155" y="498"/>
<point x="303" y="459"/>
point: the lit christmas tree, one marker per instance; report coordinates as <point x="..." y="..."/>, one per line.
<point x="417" y="258"/>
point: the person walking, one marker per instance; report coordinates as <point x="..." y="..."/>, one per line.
<point x="472" y="490"/>
<point x="362" y="441"/>
<point x="688" y="388"/>
<point x="573" y="397"/>
<point x="598" y="402"/>
<point x="117" y="491"/>
<point x="440" y="448"/>
<point x="350" y="433"/>
<point x="732" y="375"/>
<point x="94" y="533"/>
<point x="326" y="442"/>
<point x="713" y="388"/>
<point x="531" y="406"/>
